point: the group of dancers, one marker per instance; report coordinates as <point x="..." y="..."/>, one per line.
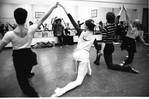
<point x="21" y="38"/>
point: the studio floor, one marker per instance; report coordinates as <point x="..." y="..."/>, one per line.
<point x="55" y="69"/>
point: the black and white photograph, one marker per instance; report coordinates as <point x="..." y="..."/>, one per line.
<point x="74" y="49"/>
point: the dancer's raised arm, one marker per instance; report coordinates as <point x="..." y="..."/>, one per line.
<point x="72" y="21"/>
<point x="42" y="19"/>
<point x="118" y="16"/>
<point x="127" y="18"/>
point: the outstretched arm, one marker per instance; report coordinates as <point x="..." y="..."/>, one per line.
<point x="82" y="23"/>
<point x="141" y="38"/>
<point x="10" y="25"/>
<point x="127" y="18"/>
<point x="42" y="19"/>
<point x="4" y="41"/>
<point x="121" y="10"/>
<point x="118" y="16"/>
<point x="53" y="20"/>
<point x="79" y="31"/>
<point x="2" y="45"/>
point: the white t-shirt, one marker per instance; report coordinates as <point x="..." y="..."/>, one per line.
<point x="85" y="41"/>
<point x="18" y="42"/>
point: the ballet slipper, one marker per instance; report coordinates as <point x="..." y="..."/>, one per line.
<point x="89" y="73"/>
<point x="54" y="95"/>
<point x="40" y="96"/>
<point x="132" y="70"/>
<point x="95" y="62"/>
<point x="97" y="59"/>
<point x="58" y="92"/>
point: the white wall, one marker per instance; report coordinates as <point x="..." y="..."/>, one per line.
<point x="6" y="11"/>
<point x="131" y="12"/>
<point x="59" y="12"/>
<point x="80" y="9"/>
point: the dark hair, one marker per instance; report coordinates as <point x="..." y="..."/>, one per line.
<point x="20" y="15"/>
<point x="90" y="24"/>
<point x="58" y="20"/>
<point x="110" y="16"/>
<point x="101" y="23"/>
<point x="121" y="22"/>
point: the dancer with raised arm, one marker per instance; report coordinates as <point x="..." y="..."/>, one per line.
<point x="80" y="57"/>
<point x="79" y="31"/>
<point x="134" y="31"/>
<point x="23" y="57"/>
<point x="107" y="47"/>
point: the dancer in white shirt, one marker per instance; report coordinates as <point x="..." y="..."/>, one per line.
<point x="23" y="57"/>
<point x="80" y="57"/>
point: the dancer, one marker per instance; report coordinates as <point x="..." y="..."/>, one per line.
<point x="80" y="57"/>
<point x="23" y="57"/>
<point x="134" y="31"/>
<point x="112" y="24"/>
<point x="79" y="24"/>
<point x="79" y="31"/>
<point x="108" y="47"/>
<point x="59" y="31"/>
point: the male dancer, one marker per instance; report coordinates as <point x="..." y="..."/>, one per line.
<point x="23" y="57"/>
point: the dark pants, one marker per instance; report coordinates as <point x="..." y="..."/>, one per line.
<point x="22" y="77"/>
<point x="24" y="60"/>
<point x="129" y="45"/>
<point x="130" y="57"/>
<point x="68" y="40"/>
<point x="108" y="50"/>
<point x="60" y="39"/>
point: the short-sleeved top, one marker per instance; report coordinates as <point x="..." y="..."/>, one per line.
<point x="134" y="33"/>
<point x="108" y="31"/>
<point x="18" y="42"/>
<point x="85" y="41"/>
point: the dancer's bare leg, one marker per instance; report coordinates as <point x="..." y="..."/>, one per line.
<point x="82" y="71"/>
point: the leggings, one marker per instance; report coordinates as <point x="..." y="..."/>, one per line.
<point x="108" y="50"/>
<point x="130" y="57"/>
<point x="22" y="77"/>
<point x="24" y="60"/>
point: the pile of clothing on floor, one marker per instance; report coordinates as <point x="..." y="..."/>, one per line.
<point x="42" y="45"/>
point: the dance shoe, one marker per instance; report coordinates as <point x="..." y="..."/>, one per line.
<point x="132" y="70"/>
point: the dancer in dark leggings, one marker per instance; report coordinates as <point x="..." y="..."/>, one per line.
<point x="108" y="47"/>
<point x="134" y="31"/>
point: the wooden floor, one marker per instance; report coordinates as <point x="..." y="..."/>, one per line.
<point x="55" y="69"/>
